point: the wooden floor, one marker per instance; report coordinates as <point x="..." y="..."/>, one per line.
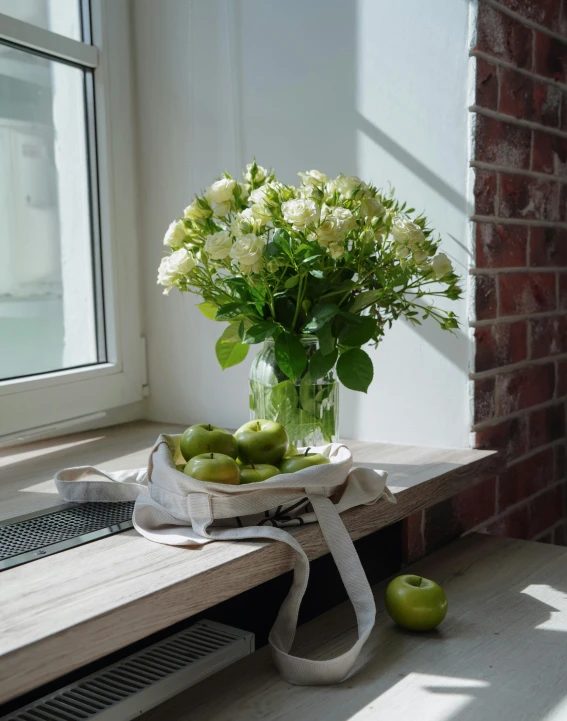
<point x="500" y="655"/>
<point x="66" y="610"/>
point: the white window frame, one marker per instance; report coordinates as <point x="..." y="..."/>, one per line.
<point x="63" y="396"/>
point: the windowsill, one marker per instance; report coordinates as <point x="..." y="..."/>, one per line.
<point x="55" y="618"/>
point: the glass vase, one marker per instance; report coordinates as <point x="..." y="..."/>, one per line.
<point x="307" y="407"/>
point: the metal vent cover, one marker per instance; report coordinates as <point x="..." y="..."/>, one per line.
<point x="28" y="538"/>
<point x="145" y="679"/>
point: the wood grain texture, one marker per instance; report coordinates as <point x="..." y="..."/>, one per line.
<point x="63" y="611"/>
<point x="499" y="654"/>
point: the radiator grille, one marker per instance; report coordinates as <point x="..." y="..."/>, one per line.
<point x="30" y="538"/>
<point x="130" y="687"/>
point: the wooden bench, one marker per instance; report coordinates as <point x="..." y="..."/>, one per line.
<point x="500" y="654"/>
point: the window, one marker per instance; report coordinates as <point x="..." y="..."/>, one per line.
<point x="63" y="354"/>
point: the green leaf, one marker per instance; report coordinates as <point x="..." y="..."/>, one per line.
<point x="317" y="274"/>
<point x="291" y="282"/>
<point x="229" y="311"/>
<point x="363" y="300"/>
<point x="307" y="392"/>
<point x="358" y="335"/>
<point x="320" y="364"/>
<point x="320" y="314"/>
<point x="230" y="351"/>
<point x="208" y="309"/>
<point x="328" y="424"/>
<point x="284" y="392"/>
<point x="290" y="355"/>
<point x="298" y="423"/>
<point x="355" y="370"/>
<point x="260" y="332"/>
<point x="326" y="340"/>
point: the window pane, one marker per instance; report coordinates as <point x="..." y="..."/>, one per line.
<point x="59" y="16"/>
<point x="47" y="300"/>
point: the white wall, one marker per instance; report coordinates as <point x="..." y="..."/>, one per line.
<point x="376" y="88"/>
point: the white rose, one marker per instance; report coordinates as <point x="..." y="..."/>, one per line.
<point x="370" y="208"/>
<point x="221" y="209"/>
<point x="419" y="256"/>
<point x="336" y="250"/>
<point x="346" y="185"/>
<point x="182" y="262"/>
<point x="253" y="268"/>
<point x="345" y="217"/>
<point x="402" y="251"/>
<point x="314" y="177"/>
<point x="329" y="231"/>
<point x="218" y="245"/>
<point x="221" y="191"/>
<point x="247" y="250"/>
<point x="300" y="213"/>
<point x="175" y="234"/>
<point x="173" y="267"/>
<point x="441" y="265"/>
<point x="258" y="196"/>
<point x="195" y="212"/>
<point x="261" y="173"/>
<point x="406" y="232"/>
<point x="244" y="190"/>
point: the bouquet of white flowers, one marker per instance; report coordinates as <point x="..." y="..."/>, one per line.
<point x="336" y="259"/>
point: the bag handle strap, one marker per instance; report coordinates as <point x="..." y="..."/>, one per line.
<point x="295" y="669"/>
<point x="72" y="484"/>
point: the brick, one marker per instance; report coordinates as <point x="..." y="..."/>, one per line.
<point x="524" y="293"/>
<point x="563" y="203"/>
<point x="547" y="425"/>
<point x="561" y="379"/>
<point x="560" y="535"/>
<point x="485" y="192"/>
<point x="486" y="84"/>
<point x="524" y="388"/>
<point x="510" y="437"/>
<point x="501" y="36"/>
<point x="546" y="510"/>
<point x="502" y="143"/>
<point x="485" y="297"/>
<point x="543" y="12"/>
<point x="475" y="505"/>
<point x="545" y="105"/>
<point x="560" y="462"/>
<point x="501" y="246"/>
<point x="484" y="403"/>
<point x="501" y="344"/>
<point x="562" y="291"/>
<point x="549" y="154"/>
<point x="548" y="247"/>
<point x="413" y="542"/>
<point x="524" y="197"/>
<point x="548" y="336"/>
<point x="516" y="94"/>
<point x="513" y="525"/>
<point x="525" y="478"/>
<point x="550" y="58"/>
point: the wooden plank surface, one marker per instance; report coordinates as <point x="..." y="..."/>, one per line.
<point x="66" y="610"/>
<point x="499" y="655"/>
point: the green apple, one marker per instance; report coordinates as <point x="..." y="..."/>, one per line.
<point x="205" y="438"/>
<point x="258" y="472"/>
<point x="301" y="461"/>
<point x="262" y="441"/>
<point x="213" y="467"/>
<point x="416" y="603"/>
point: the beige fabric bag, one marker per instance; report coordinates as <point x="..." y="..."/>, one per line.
<point x="176" y="509"/>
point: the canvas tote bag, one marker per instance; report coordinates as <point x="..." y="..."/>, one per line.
<point x="176" y="509"/>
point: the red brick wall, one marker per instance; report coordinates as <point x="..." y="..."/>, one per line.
<point x="519" y="377"/>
